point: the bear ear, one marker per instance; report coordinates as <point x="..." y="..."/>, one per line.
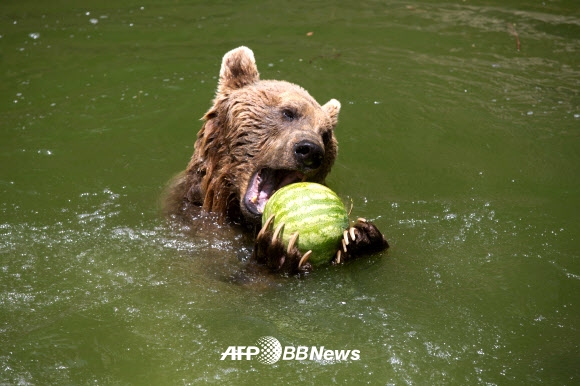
<point x="332" y="108"/>
<point x="238" y="70"/>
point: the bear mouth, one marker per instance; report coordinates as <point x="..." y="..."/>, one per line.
<point x="264" y="183"/>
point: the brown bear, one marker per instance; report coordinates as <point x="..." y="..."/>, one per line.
<point x="258" y="136"/>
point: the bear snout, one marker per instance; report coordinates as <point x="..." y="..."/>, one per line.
<point x="308" y="155"/>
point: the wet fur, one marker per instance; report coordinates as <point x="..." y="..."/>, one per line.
<point x="243" y="131"/>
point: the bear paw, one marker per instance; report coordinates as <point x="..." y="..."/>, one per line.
<point x="270" y="251"/>
<point x="362" y="238"/>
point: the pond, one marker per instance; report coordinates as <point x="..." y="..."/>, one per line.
<point x="459" y="137"/>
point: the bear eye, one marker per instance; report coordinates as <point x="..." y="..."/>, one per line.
<point x="289" y="114"/>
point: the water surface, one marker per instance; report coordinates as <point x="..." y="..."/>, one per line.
<point x="463" y="148"/>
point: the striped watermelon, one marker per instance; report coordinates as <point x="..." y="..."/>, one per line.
<point x="315" y="212"/>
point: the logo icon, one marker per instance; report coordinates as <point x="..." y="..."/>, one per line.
<point x="270" y="350"/>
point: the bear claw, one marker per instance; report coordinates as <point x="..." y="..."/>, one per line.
<point x="352" y="235"/>
<point x="337" y="258"/>
<point x="266" y="226"/>
<point x="292" y="241"/>
<point x="278" y="231"/>
<point x="304" y="259"/>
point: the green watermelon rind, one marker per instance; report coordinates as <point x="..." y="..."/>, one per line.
<point x="315" y="212"/>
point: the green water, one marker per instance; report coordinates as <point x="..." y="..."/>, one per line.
<point x="462" y="149"/>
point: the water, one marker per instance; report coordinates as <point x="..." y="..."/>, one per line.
<point x="464" y="150"/>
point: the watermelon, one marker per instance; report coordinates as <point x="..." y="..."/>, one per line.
<point x="315" y="212"/>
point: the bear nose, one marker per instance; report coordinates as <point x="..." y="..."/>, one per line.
<point x="308" y="154"/>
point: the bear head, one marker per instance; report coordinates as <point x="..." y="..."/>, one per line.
<point x="258" y="136"/>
